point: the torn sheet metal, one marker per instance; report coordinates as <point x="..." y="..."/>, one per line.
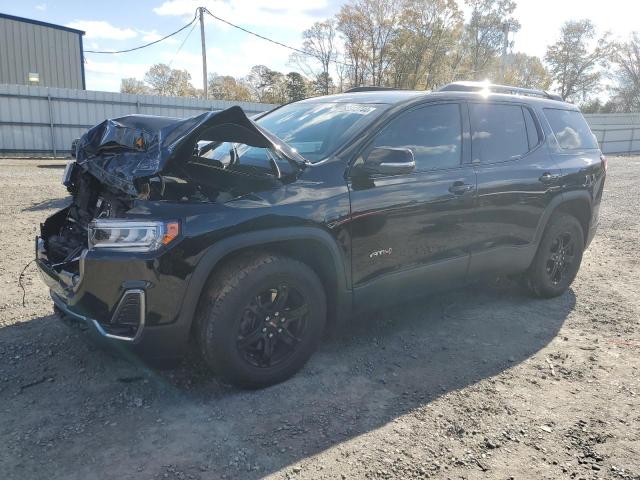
<point x="120" y="151"/>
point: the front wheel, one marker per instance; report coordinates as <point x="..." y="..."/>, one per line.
<point x="558" y="259"/>
<point x="260" y="319"/>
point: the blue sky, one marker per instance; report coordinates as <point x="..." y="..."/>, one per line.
<point x="117" y="24"/>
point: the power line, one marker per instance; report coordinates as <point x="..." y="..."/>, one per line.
<point x="276" y="42"/>
<point x="303" y="52"/>
<point x="182" y="44"/>
<point x="238" y="27"/>
<point x="147" y="44"/>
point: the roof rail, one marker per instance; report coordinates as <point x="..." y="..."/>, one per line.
<point x="369" y="89"/>
<point x="492" y="87"/>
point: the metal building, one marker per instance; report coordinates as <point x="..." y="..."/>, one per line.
<point x="39" y="53"/>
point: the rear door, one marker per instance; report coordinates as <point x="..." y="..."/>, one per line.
<point x="516" y="181"/>
<point x="410" y="232"/>
<point x="575" y="150"/>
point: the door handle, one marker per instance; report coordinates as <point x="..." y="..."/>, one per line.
<point x="547" y="177"/>
<point x="460" y="188"/>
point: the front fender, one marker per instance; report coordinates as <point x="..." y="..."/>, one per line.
<point x="221" y="249"/>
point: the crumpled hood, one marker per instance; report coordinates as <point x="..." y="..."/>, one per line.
<point x="120" y="151"/>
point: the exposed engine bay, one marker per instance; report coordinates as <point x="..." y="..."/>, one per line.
<point x="215" y="157"/>
<point x="199" y="180"/>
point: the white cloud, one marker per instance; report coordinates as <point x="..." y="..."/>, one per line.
<point x="540" y="28"/>
<point x="42" y="7"/>
<point x="117" y="68"/>
<point x="281" y="19"/>
<point x="153" y="35"/>
<point x="101" y="29"/>
<point x="278" y="13"/>
<point x="106" y="76"/>
<point x="252" y="51"/>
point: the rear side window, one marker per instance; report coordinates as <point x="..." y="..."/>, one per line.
<point x="571" y="129"/>
<point x="532" y="131"/>
<point x="433" y="133"/>
<point x="498" y="132"/>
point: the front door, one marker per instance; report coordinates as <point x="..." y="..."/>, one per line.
<point x="410" y="232"/>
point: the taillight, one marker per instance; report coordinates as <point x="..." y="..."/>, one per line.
<point x="604" y="162"/>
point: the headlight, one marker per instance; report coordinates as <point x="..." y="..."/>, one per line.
<point x="68" y="171"/>
<point x="131" y="236"/>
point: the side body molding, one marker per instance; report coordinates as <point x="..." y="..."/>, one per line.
<point x="221" y="249"/>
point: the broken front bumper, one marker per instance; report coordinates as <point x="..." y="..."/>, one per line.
<point x="131" y="305"/>
<point x="120" y="299"/>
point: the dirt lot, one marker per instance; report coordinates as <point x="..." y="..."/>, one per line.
<point x="480" y="383"/>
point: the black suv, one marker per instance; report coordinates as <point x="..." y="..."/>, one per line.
<point x="252" y="236"/>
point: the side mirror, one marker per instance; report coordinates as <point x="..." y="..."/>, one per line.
<point x="389" y="161"/>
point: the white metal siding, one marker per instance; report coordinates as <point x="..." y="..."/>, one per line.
<point x="616" y="132"/>
<point x="52" y="53"/>
<point x="26" y="114"/>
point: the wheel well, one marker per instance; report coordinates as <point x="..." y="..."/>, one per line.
<point x="311" y="252"/>
<point x="581" y="210"/>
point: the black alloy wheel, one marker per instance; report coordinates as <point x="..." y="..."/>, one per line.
<point x="260" y="319"/>
<point x="561" y="257"/>
<point x="272" y="326"/>
<point x="558" y="258"/>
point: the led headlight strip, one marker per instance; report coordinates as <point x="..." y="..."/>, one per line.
<point x="125" y="235"/>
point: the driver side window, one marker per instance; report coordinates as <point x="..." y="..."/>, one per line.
<point x="433" y="133"/>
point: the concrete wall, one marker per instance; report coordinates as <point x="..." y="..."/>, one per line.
<point x="51" y="51"/>
<point x="38" y="121"/>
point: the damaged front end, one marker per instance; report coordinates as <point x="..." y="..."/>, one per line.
<point x="136" y="164"/>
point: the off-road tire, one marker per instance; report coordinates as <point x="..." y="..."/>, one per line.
<point x="539" y="277"/>
<point x="223" y="304"/>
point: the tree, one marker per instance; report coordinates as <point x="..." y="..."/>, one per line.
<point x="371" y="26"/>
<point x="596" y="106"/>
<point x="225" y="87"/>
<point x="267" y="85"/>
<point x="484" y="34"/>
<point x="296" y="87"/>
<point x="321" y="84"/>
<point x="134" y="86"/>
<point x="319" y="42"/>
<point x="573" y="63"/>
<point x="167" y="81"/>
<point x="355" y="44"/>
<point x="159" y="77"/>
<point x="526" y="71"/>
<point x="627" y="60"/>
<point x="428" y="30"/>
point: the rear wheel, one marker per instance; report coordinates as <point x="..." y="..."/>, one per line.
<point x="558" y="259"/>
<point x="260" y="319"/>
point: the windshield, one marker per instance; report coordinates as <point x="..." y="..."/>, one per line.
<point x="314" y="130"/>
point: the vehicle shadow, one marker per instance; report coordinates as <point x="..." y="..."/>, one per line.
<point x="139" y="422"/>
<point x="59" y="166"/>
<point x="56" y="204"/>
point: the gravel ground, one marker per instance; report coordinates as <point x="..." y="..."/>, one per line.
<point x="484" y="382"/>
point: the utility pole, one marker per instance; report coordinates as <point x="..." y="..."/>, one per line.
<point x="505" y="47"/>
<point x="204" y="53"/>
